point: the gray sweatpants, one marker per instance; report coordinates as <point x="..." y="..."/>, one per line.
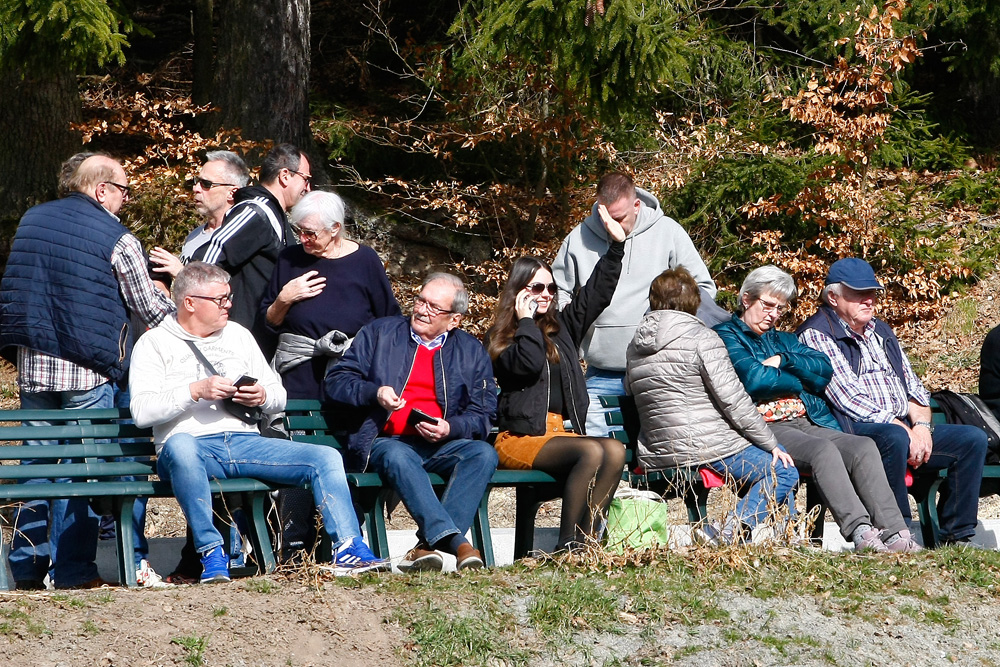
<point x="847" y="470"/>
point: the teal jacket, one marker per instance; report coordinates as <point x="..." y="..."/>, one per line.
<point x="803" y="371"/>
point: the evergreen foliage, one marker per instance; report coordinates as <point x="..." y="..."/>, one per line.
<point x="67" y="34"/>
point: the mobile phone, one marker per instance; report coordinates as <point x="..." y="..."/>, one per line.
<point x="417" y="416"/>
<point x="533" y="305"/>
<point x="244" y="381"/>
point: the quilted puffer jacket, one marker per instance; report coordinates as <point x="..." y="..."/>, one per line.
<point x="692" y="406"/>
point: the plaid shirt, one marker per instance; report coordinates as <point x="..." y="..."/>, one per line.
<point x="37" y="371"/>
<point x="874" y="394"/>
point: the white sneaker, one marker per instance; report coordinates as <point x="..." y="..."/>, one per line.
<point x="147" y="577"/>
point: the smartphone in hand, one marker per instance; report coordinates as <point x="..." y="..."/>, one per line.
<point x="417" y="416"/>
<point x="245" y="381"/>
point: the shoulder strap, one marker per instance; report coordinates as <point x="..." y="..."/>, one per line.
<point x="201" y="357"/>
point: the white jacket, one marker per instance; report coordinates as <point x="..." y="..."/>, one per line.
<point x="164" y="366"/>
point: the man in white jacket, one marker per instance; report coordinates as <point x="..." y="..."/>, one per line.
<point x="654" y="243"/>
<point x="183" y="372"/>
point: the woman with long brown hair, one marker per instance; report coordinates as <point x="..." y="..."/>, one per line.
<point x="534" y="350"/>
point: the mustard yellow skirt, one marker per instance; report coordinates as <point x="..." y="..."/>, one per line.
<point x="518" y="452"/>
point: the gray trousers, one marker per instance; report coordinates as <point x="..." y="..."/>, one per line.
<point x="847" y="470"/>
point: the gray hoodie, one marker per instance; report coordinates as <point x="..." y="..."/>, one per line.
<point x="656" y="243"/>
<point x="692" y="406"/>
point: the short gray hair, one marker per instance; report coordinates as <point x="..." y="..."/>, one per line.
<point x="327" y="207"/>
<point x="835" y="288"/>
<point x="768" y="279"/>
<point x="195" y="275"/>
<point x="236" y="169"/>
<point x="460" y="302"/>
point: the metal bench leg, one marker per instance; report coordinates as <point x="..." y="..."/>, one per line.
<point x="930" y="528"/>
<point x="527" y="505"/>
<point x="374" y="509"/>
<point x="259" y="537"/>
<point x="481" y="537"/>
<point x="696" y="501"/>
<point x="125" y="539"/>
<point x="6" y="580"/>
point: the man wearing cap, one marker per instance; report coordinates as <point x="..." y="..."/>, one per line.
<point x="874" y="392"/>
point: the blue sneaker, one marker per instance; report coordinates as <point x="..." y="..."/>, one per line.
<point x="215" y="566"/>
<point x="355" y="557"/>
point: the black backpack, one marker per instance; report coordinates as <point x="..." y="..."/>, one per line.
<point x="969" y="409"/>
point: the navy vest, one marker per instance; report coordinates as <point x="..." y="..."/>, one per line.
<point x="59" y="294"/>
<point x="827" y="321"/>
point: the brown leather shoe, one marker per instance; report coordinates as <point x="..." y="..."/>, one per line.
<point x="468" y="558"/>
<point x="86" y="585"/>
<point x="421" y="559"/>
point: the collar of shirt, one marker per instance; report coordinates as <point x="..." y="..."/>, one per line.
<point x="869" y="329"/>
<point x="430" y="345"/>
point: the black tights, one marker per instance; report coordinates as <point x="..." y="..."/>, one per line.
<point x="592" y="468"/>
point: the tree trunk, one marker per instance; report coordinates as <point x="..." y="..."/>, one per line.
<point x="35" y="114"/>
<point x="201" y="85"/>
<point x="262" y="70"/>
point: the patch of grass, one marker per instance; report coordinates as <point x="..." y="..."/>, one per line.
<point x="959" y="358"/>
<point x="104" y="598"/>
<point x="18" y="620"/>
<point x="443" y="634"/>
<point x="783" y="644"/>
<point x="568" y="601"/>
<point x="961" y="319"/>
<point x="68" y="600"/>
<point x="261" y="585"/>
<point x="194" y="649"/>
<point x="219" y="611"/>
<point x="89" y="628"/>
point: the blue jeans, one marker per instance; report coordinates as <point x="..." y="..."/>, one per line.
<point x="602" y="383"/>
<point x="753" y="472"/>
<point x="959" y="448"/>
<point x="467" y="464"/>
<point x="188" y="463"/>
<point x="57" y="537"/>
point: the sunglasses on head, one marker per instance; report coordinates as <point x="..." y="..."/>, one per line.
<point x="537" y="288"/>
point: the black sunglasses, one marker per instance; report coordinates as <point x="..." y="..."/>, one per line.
<point x="538" y="288"/>
<point x="208" y="185"/>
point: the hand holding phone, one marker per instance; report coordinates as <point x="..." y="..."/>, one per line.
<point x="417" y="416"/>
<point x="245" y="381"/>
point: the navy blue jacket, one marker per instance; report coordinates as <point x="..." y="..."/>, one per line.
<point x="382" y="354"/>
<point x="59" y="294"/>
<point x="827" y="321"/>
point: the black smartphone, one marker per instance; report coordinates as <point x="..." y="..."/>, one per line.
<point x="244" y="381"/>
<point x="417" y="416"/>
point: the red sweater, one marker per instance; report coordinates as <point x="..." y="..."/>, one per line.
<point x="419" y="392"/>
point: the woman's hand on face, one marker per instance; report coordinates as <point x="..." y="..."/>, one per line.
<point x="778" y="454"/>
<point x="611" y="225"/>
<point x="523" y="304"/>
<point x="306" y="286"/>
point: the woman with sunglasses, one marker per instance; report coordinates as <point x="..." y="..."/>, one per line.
<point x="321" y="293"/>
<point x="534" y="350"/>
<point x="786" y="379"/>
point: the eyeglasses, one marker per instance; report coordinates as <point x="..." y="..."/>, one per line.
<point x="772" y="307"/>
<point x="220" y="301"/>
<point x="124" y="188"/>
<point x="305" y="177"/>
<point x="431" y="309"/>
<point x="308" y="234"/>
<point x="537" y="288"/>
<point x="208" y="185"/>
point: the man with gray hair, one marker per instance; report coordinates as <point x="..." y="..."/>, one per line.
<point x="198" y="379"/>
<point x="874" y="392"/>
<point x="421" y="396"/>
<point x="74" y="278"/>
<point x="223" y="173"/>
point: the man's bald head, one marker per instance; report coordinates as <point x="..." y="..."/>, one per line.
<point x="96" y="175"/>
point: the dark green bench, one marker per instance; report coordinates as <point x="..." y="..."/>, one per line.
<point x="687" y="483"/>
<point x="85" y="463"/>
<point x="308" y="421"/>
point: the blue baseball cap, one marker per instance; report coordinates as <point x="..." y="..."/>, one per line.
<point x="853" y="272"/>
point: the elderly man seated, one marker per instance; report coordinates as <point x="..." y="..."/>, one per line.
<point x="874" y="392"/>
<point x="195" y="379"/>
<point x="422" y="395"/>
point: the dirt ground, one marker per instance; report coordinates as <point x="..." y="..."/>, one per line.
<point x="282" y="621"/>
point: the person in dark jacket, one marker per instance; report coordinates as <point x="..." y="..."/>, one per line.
<point x="534" y="350"/>
<point x="786" y="378"/>
<point x="420" y="397"/>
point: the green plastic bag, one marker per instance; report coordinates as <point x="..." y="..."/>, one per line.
<point x="637" y="519"/>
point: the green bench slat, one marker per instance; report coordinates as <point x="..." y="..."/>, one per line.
<point x="87" y="451"/>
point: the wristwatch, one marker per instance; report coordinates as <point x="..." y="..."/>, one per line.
<point x="929" y="425"/>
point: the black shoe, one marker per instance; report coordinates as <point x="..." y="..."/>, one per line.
<point x="29" y="585"/>
<point x="965" y="543"/>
